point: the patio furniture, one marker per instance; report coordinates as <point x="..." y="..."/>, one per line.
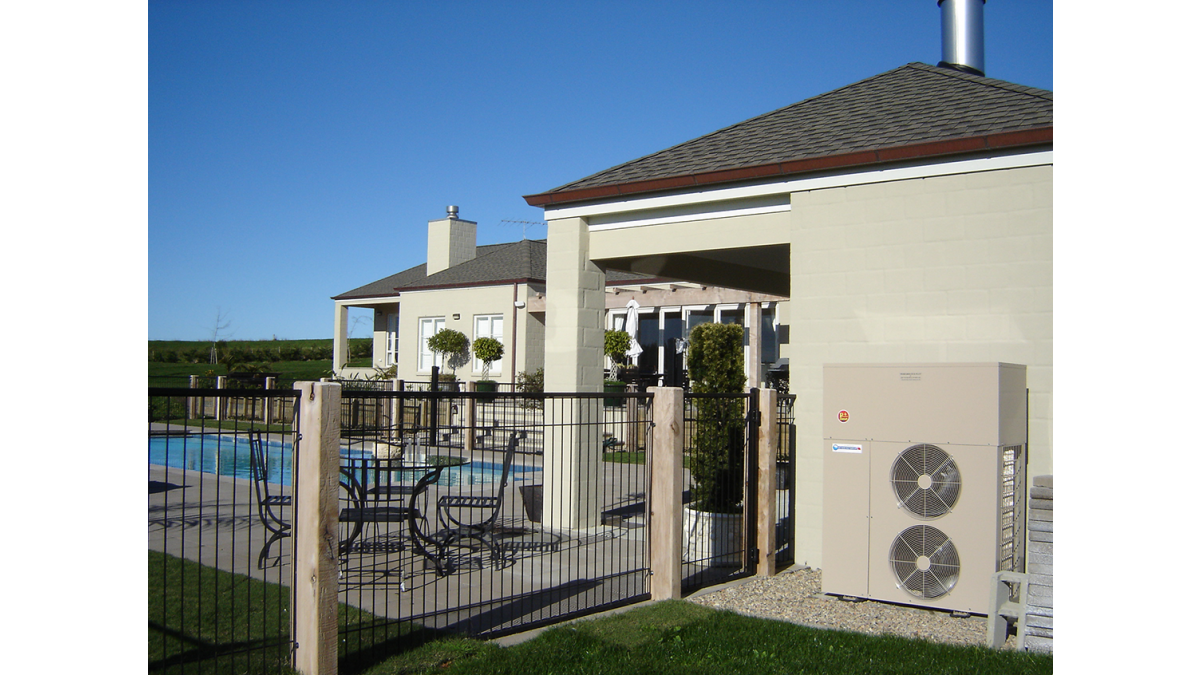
<point x="373" y="487"/>
<point x="378" y="481"/>
<point x="364" y="506"/>
<point x="270" y="506"/>
<point x="456" y="529"/>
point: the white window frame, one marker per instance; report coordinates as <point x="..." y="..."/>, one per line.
<point x="426" y="328"/>
<point x="392" y="354"/>
<point x="495" y="330"/>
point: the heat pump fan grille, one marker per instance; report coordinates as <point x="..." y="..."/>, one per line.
<point x="924" y="561"/>
<point x="926" y="480"/>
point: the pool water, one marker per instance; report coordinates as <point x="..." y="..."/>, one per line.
<point x="229" y="455"/>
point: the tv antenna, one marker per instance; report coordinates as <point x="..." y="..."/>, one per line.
<point x="524" y="225"/>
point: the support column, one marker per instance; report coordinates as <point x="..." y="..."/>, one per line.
<point x="754" y="344"/>
<point x="341" y="343"/>
<point x="574" y="310"/>
<point x="316" y="534"/>
<point x="768" y="449"/>
<point x="574" y="363"/>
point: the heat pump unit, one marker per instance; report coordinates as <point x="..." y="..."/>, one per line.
<point x="924" y="481"/>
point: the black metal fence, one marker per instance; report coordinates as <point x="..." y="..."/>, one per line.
<point x="720" y="454"/>
<point x="486" y="513"/>
<point x="467" y="512"/>
<point x="785" y="494"/>
<point x="218" y="574"/>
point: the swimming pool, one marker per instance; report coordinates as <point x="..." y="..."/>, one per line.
<point x="229" y="455"/>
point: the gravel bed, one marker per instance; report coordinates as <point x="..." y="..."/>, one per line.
<point x="795" y="596"/>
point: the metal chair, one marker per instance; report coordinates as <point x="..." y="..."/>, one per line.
<point x="455" y="529"/>
<point x="270" y="506"/>
<point x="364" y="506"/>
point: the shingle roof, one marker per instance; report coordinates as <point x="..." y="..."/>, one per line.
<point x="493" y="263"/>
<point x="910" y="105"/>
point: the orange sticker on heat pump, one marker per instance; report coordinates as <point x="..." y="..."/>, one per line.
<point x="843" y="416"/>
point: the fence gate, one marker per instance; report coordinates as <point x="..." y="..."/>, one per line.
<point x="785" y="492"/>
<point x="721" y="465"/>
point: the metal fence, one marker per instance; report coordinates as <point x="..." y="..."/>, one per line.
<point x="466" y="512"/>
<point x="785" y="475"/>
<point x="720" y="457"/>
<point x="218" y="577"/>
<point x="453" y="515"/>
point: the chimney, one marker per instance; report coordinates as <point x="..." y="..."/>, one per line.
<point x="451" y="242"/>
<point x="962" y="35"/>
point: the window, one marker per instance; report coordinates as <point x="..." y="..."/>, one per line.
<point x="393" y="340"/>
<point x="425" y="358"/>
<point x="489" y="325"/>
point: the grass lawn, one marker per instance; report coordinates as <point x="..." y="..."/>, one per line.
<point x="663" y="638"/>
<point x="680" y="637"/>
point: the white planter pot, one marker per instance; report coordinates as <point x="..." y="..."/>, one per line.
<point x="712" y="537"/>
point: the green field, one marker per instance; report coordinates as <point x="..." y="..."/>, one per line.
<point x="171" y="362"/>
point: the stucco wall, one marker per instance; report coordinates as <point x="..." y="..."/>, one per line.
<point x="467" y="303"/>
<point x="942" y="269"/>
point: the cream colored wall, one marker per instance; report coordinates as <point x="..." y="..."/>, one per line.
<point x="716" y="233"/>
<point x="944" y="269"/>
<point x="467" y="303"/>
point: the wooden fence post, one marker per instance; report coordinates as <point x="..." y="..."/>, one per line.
<point x="314" y="595"/>
<point x="768" y="449"/>
<point x="666" y="495"/>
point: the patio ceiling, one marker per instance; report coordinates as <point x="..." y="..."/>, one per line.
<point x="760" y="269"/>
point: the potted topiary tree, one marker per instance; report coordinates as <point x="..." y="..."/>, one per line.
<point x="489" y="350"/>
<point x="713" y="519"/>
<point x="451" y="348"/>
<point x="616" y="344"/>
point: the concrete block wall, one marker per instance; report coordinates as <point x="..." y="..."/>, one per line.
<point x="1039" y="616"/>
<point x="944" y="269"/>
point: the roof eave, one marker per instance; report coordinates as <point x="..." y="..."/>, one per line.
<point x="971" y="144"/>
<point x="469" y="284"/>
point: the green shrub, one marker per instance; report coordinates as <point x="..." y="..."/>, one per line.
<point x="531" y="382"/>
<point x="715" y="366"/>
<point x="616" y="343"/>
<point x="450" y="346"/>
<point x="489" y="350"/>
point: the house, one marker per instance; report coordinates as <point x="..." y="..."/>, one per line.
<point x="905" y="218"/>
<point x="499" y="291"/>
<point x="482" y="291"/>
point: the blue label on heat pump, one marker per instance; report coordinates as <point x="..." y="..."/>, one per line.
<point x="847" y="447"/>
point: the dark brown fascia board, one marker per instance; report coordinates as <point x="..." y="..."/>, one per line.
<point x="1008" y="139"/>
<point x="363" y="297"/>
<point x="400" y="290"/>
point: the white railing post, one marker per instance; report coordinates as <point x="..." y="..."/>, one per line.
<point x="220" y="403"/>
<point x="768" y="448"/>
<point x="666" y="495"/>
<point x="193" y="383"/>
<point x="315" y="513"/>
<point x="268" y="385"/>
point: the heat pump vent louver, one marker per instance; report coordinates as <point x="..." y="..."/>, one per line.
<point x="924" y="561"/>
<point x="926" y="480"/>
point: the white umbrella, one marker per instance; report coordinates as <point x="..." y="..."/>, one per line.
<point x="631" y="327"/>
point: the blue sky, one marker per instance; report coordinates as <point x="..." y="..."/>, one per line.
<point x="297" y="150"/>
